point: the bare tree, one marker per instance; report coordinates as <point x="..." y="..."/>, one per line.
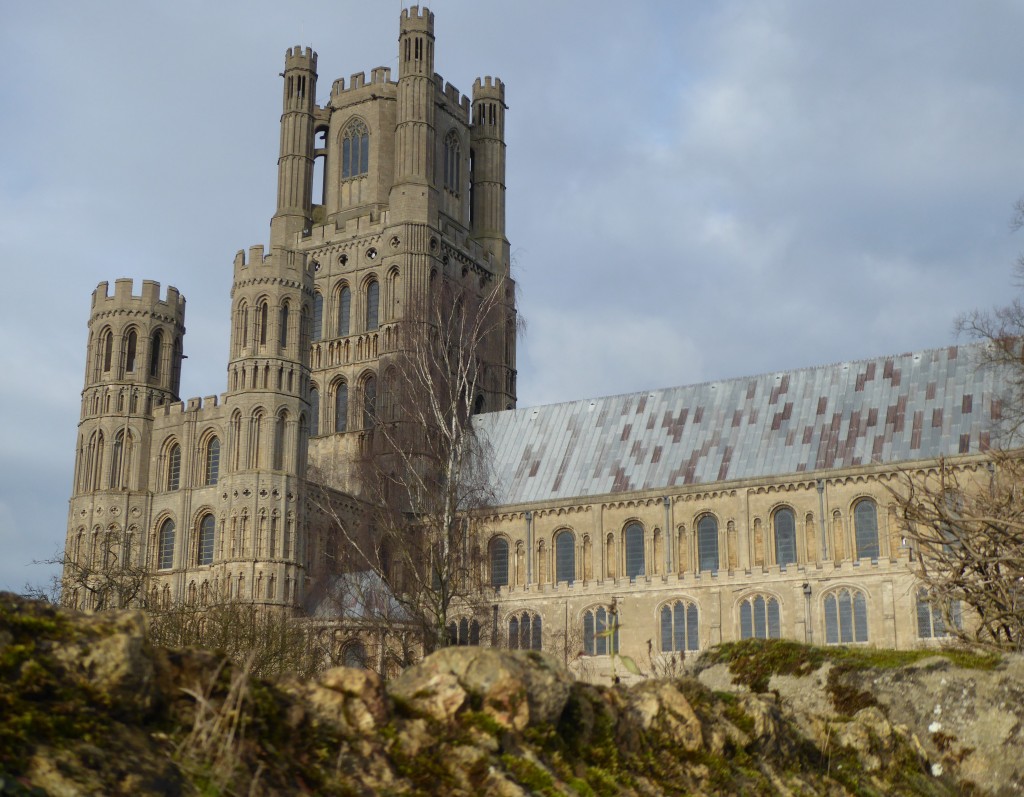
<point x="423" y="470"/>
<point x="101" y="578"/>
<point x="966" y="522"/>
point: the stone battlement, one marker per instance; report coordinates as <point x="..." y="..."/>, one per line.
<point x="488" y="87"/>
<point x="379" y="76"/>
<point x="300" y="58"/>
<point x="295" y="261"/>
<point x="414" y="14"/>
<point x="124" y="297"/>
<point x="454" y="97"/>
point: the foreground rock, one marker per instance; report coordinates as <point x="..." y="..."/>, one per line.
<point x="87" y="706"/>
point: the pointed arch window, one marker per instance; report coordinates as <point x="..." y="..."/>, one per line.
<point x="131" y="345"/>
<point x="155" y="345"/>
<point x="341" y="407"/>
<point x="865" y="524"/>
<point x="600" y="632"/>
<point x="565" y="556"/>
<point x="107" y="342"/>
<point x="344" y="310"/>
<point x="314" y="412"/>
<point x="212" y="469"/>
<point x="785" y="536"/>
<point x="165" y="547"/>
<point x="174" y="467"/>
<point x="262" y="317"/>
<point x="280" y="428"/>
<point x="452" y="162"/>
<point x="207" y="531"/>
<point x="121" y="461"/>
<point x="355" y="150"/>
<point x="707" y="544"/>
<point x="464" y="632"/>
<point x="525" y="631"/>
<point x="369" y="402"/>
<point x="372" y="305"/>
<point x="318" y="316"/>
<point x="499" y="562"/>
<point x="846" y="617"/>
<point x="760" y="618"/>
<point x="284" y="325"/>
<point x="679" y="629"/>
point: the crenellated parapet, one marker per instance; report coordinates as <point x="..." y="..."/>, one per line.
<point x="298" y="57"/>
<point x="171" y="308"/>
<point x="417" y="18"/>
<point x="261" y="265"/>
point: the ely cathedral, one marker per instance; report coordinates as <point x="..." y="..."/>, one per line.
<point x="752" y="507"/>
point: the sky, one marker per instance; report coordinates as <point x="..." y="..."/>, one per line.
<point x="696" y="190"/>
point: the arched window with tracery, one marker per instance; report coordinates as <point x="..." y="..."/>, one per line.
<point x="633" y="539"/>
<point x="464" y="632"/>
<point x="372" y="305"/>
<point x="846" y="616"/>
<point x="565" y="556"/>
<point x="600" y="632"/>
<point x="679" y="628"/>
<point x="931" y="620"/>
<point x="355" y="150"/>
<point x="760" y="618"/>
<point x="165" y="546"/>
<point x="785" y="536"/>
<point x="207" y="532"/>
<point x="707" y="544"/>
<point x="452" y="162"/>
<point x="865" y="525"/>
<point x="525" y="631"/>
<point x="344" y="310"/>
<point x="499" y="562"/>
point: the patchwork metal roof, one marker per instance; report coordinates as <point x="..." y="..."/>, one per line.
<point x="891" y="409"/>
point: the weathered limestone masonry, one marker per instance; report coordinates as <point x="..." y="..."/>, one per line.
<point x="754" y="507"/>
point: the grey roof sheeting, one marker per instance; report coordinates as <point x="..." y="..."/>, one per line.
<point x="891" y="409"/>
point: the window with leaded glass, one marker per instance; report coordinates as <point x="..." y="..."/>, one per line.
<point x="318" y="316"/>
<point x="600" y="632"/>
<point x="565" y="556"/>
<point x="355" y="150"/>
<point x="207" y="531"/>
<point x="931" y="622"/>
<point x="499" y="562"/>
<point x="785" y="536"/>
<point x="707" y="544"/>
<point x="314" y="412"/>
<point x="846" y="617"/>
<point x="679" y="629"/>
<point x="525" y="631"/>
<point x="865" y="524"/>
<point x="165" y="546"/>
<point x="760" y="618"/>
<point x="634" y="542"/>
<point x="212" y="461"/>
<point x="372" y="305"/>
<point x="344" y="311"/>
<point x="341" y="407"/>
<point x="174" y="467"/>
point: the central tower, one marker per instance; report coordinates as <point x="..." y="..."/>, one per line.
<point x="408" y="206"/>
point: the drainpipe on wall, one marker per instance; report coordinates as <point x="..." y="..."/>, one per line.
<point x="669" y="535"/>
<point x="529" y="548"/>
<point x="821" y="512"/>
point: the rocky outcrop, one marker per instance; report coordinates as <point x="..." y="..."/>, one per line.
<point x="87" y="706"/>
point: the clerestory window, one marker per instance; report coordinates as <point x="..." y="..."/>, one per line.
<point x="355" y="150"/>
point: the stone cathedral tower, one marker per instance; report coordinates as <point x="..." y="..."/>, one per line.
<point x="385" y="190"/>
